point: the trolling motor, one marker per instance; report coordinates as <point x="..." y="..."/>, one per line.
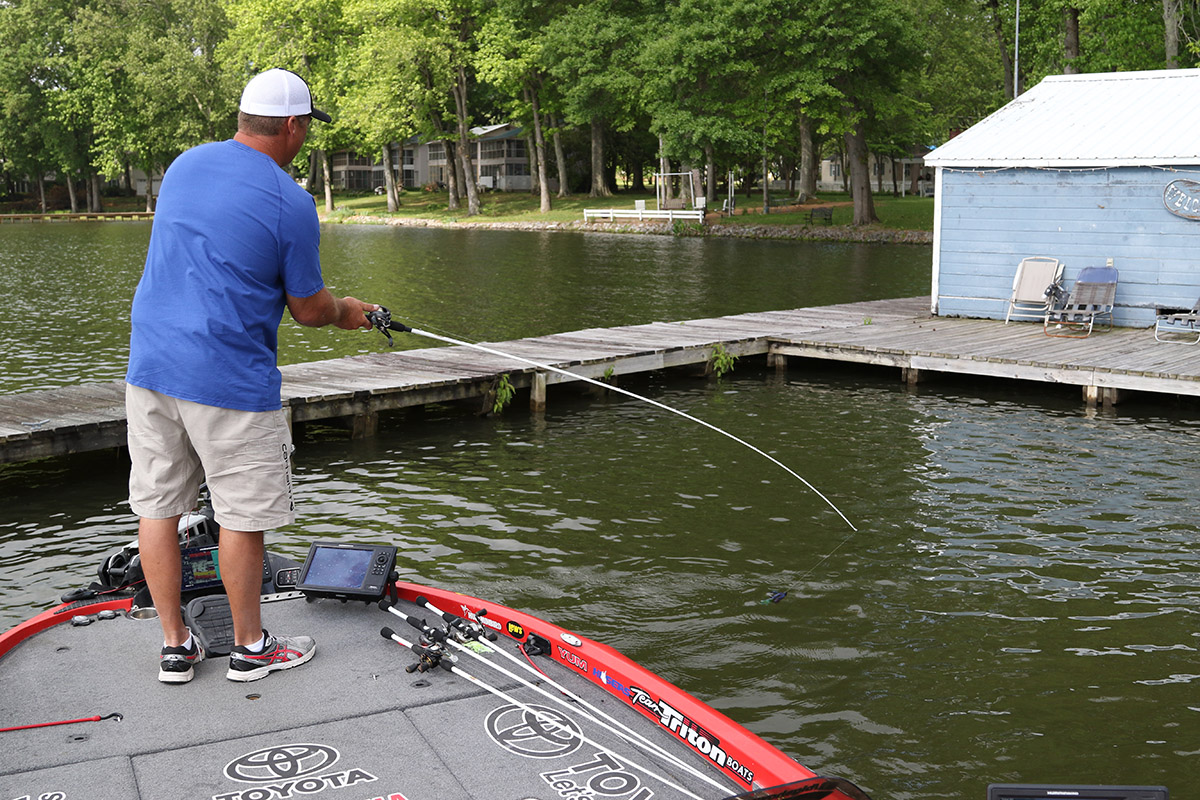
<point x="381" y="318"/>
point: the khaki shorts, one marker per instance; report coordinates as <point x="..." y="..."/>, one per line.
<point x="245" y="457"/>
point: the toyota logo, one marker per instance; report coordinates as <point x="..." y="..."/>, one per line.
<point x="281" y="761"/>
<point x="533" y="731"/>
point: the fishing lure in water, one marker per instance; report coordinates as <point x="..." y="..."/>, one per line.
<point x="382" y="320"/>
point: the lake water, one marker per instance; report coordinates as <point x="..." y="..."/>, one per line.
<point x="1020" y="602"/>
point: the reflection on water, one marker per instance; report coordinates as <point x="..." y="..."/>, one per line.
<point x="69" y="287"/>
<point x="1020" y="603"/>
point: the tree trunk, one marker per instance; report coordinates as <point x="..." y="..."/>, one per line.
<point x="71" y="194"/>
<point x="389" y="179"/>
<point x="534" y="183"/>
<point x="809" y="163"/>
<point x="687" y="189"/>
<point x="327" y="179"/>
<point x="464" y="139"/>
<point x="599" y="187"/>
<point x="1006" y="64"/>
<point x="150" y="188"/>
<point x="42" y="188"/>
<point x="452" y="203"/>
<point x="766" y="182"/>
<point x="860" y="176"/>
<point x="313" y="181"/>
<point x="564" y="188"/>
<point x="1071" y="41"/>
<point x="710" y="176"/>
<point x="539" y="150"/>
<point x="95" y="197"/>
<point x="1172" y="19"/>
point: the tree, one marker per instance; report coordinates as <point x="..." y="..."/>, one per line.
<point x="304" y="36"/>
<point x="509" y="60"/>
<point x="152" y="85"/>
<point x="591" y="51"/>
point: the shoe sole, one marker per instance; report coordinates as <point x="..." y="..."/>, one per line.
<point x="176" y="677"/>
<point x="180" y="677"/>
<point x="262" y="672"/>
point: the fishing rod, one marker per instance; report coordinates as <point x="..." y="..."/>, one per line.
<point x="381" y="318"/>
<point x="435" y="656"/>
<point x="469" y="631"/>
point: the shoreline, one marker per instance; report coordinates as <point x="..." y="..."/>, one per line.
<point x="825" y="233"/>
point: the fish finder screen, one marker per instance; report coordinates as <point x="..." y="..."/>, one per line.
<point x="341" y="567"/>
<point x="201" y="568"/>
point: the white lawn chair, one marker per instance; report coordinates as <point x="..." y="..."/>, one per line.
<point x="1183" y="327"/>
<point x="1030" y="299"/>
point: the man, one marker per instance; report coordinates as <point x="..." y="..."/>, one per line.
<point x="234" y="241"/>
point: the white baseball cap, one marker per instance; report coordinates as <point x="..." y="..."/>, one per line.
<point x="279" y="93"/>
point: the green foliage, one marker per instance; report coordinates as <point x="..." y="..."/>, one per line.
<point x="502" y="393"/>
<point x="721" y="361"/>
<point x="682" y="227"/>
<point x="91" y="86"/>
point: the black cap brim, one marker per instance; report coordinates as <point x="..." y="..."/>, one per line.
<point x="321" y="115"/>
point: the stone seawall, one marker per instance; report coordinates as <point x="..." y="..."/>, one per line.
<point x="825" y="233"/>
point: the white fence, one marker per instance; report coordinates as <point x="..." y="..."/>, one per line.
<point x="612" y="214"/>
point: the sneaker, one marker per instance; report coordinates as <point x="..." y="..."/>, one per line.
<point x="279" y="652"/>
<point x="176" y="664"/>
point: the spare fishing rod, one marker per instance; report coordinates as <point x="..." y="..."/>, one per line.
<point x="457" y="626"/>
<point x="381" y="318"/>
<point x="435" y="656"/>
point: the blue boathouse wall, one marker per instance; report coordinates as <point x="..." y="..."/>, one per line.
<point x="992" y="218"/>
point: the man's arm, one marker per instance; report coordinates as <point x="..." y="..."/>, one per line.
<point x="323" y="308"/>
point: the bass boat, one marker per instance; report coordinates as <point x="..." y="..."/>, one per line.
<point x="415" y="693"/>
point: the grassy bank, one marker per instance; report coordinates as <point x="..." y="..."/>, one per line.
<point x="897" y="214"/>
<point x="911" y="215"/>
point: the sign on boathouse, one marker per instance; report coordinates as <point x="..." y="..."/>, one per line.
<point x="1082" y="168"/>
<point x="1182" y="198"/>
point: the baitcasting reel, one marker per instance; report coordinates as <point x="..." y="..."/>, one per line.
<point x="381" y="318"/>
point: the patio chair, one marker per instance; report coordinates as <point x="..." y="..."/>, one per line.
<point x="1091" y="298"/>
<point x="1029" y="290"/>
<point x="1182" y="328"/>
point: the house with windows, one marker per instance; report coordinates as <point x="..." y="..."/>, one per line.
<point x="500" y="157"/>
<point x="1081" y="168"/>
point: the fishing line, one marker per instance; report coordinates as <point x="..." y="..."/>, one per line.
<point x="382" y="319"/>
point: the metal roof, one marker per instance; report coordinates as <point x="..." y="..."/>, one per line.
<point x="1113" y="119"/>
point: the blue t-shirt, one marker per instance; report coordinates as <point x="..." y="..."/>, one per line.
<point x="232" y="236"/>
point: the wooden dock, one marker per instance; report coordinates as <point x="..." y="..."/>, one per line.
<point x="893" y="333"/>
<point x="1105" y="365"/>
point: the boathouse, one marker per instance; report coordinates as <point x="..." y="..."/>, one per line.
<point x="1082" y="168"/>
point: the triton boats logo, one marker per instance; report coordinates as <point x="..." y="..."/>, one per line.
<point x="285" y="771"/>
<point x="701" y="740"/>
